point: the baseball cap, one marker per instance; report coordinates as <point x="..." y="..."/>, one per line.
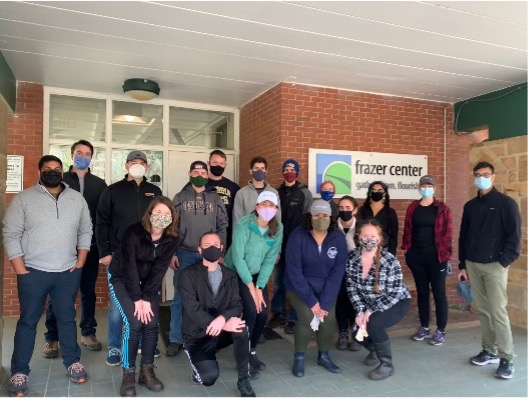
<point x="427" y="179"/>
<point x="320" y="207"/>
<point x="198" y="165"/>
<point x="136" y="155"/>
<point x="267" y="195"/>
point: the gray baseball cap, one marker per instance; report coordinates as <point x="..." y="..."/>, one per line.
<point x="320" y="207"/>
<point x="136" y="155"/>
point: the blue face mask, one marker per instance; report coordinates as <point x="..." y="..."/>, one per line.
<point x="426" y="191"/>
<point x="483" y="183"/>
<point x="327" y="195"/>
<point x="81" y="162"/>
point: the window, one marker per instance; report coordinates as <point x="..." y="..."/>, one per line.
<point x="136" y="124"/>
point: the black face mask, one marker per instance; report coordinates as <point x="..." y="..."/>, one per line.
<point x="377" y="196"/>
<point x="51" y="179"/>
<point x="211" y="253"/>
<point x="345" y="215"/>
<point x="217" y="170"/>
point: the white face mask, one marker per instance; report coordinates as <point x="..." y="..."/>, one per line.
<point x="137" y="171"/>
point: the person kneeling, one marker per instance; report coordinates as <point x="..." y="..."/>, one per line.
<point x="211" y="316"/>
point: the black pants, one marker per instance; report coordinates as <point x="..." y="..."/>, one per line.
<point x="133" y="328"/>
<point x="428" y="271"/>
<point x="33" y="288"/>
<point x="379" y="321"/>
<point x="202" y="355"/>
<point x="345" y="314"/>
<point x="88" y="323"/>
<point x="254" y="321"/>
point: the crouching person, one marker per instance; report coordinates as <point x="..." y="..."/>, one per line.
<point x="134" y="283"/>
<point x="211" y="316"/>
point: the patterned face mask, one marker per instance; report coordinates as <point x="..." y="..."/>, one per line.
<point x="369" y="244"/>
<point x="160" y="221"/>
<point x="321" y="224"/>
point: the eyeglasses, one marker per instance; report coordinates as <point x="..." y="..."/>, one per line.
<point x="485" y="175"/>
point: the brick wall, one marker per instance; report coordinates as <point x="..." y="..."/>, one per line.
<point x="288" y="119"/>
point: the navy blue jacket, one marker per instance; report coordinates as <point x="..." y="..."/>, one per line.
<point x="315" y="277"/>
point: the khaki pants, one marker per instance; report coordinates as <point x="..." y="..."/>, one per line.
<point x="489" y="289"/>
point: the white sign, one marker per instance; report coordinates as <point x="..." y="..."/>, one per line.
<point x="15" y="174"/>
<point x="353" y="171"/>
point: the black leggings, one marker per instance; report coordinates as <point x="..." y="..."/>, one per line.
<point x="202" y="355"/>
<point x="345" y="314"/>
<point x="428" y="271"/>
<point x="254" y="321"/>
<point x="134" y="329"/>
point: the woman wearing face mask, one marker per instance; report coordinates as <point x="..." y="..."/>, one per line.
<point x="134" y="282"/>
<point x="379" y="297"/>
<point x="345" y="315"/>
<point x="316" y="255"/>
<point x="256" y="242"/>
<point x="328" y="190"/>
<point x="427" y="242"/>
<point x="377" y="206"/>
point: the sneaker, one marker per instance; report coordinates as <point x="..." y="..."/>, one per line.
<point x="421" y="334"/>
<point x="276" y="321"/>
<point x="244" y="386"/>
<point x="114" y="358"/>
<point x="18" y="385"/>
<point x="173" y="349"/>
<point x="51" y="350"/>
<point x="438" y="338"/>
<point x="77" y="373"/>
<point x="92" y="343"/>
<point x="290" y="328"/>
<point x="342" y="341"/>
<point x="505" y="370"/>
<point x="156" y="355"/>
<point x="484" y="358"/>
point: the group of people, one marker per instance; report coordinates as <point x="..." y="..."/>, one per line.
<point x="332" y="265"/>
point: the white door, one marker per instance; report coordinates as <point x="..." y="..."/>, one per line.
<point x="177" y="176"/>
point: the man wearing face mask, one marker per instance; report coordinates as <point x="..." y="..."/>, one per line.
<point x="295" y="201"/>
<point x="489" y="242"/>
<point x="121" y="204"/>
<point x="91" y="187"/>
<point x="245" y="200"/>
<point x="197" y="211"/>
<point x="47" y="233"/>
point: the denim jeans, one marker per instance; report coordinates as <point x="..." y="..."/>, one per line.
<point x="186" y="258"/>
<point x="114" y="322"/>
<point x="278" y="302"/>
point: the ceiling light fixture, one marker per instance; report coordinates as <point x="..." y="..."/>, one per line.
<point x="141" y="89"/>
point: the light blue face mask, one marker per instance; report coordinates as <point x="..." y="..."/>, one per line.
<point x="81" y="162"/>
<point x="426" y="191"/>
<point x="483" y="183"/>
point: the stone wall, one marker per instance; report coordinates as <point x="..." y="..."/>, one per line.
<point x="509" y="157"/>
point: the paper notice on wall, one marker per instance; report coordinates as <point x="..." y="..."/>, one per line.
<point x="15" y="174"/>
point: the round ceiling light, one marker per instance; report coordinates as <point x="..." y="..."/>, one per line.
<point x="141" y="89"/>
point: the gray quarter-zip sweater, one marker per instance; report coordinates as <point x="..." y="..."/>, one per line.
<point x="47" y="232"/>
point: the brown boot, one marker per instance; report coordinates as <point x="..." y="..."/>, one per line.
<point x="128" y="388"/>
<point x="148" y="379"/>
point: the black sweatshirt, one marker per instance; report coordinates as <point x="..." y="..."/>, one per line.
<point x="490" y="230"/>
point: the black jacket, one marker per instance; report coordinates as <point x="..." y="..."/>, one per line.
<point x="388" y="221"/>
<point x="199" y="306"/>
<point x="121" y="204"/>
<point x="141" y="265"/>
<point x="94" y="187"/>
<point x="490" y="230"/>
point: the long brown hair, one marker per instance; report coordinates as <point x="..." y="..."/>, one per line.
<point x="378" y="256"/>
<point x="272" y="224"/>
<point x="170" y="230"/>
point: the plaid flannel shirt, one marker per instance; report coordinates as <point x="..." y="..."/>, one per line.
<point x="361" y="291"/>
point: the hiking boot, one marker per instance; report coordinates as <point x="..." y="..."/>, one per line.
<point x="421" y="334"/>
<point x="276" y="321"/>
<point x="114" y="358"/>
<point x="255" y="361"/>
<point x="18" y="385"/>
<point x="484" y="358"/>
<point x="148" y="379"/>
<point x="505" y="370"/>
<point x="51" y="350"/>
<point x="128" y="387"/>
<point x="244" y="386"/>
<point x="354" y="346"/>
<point x="289" y="328"/>
<point x="77" y="373"/>
<point x="438" y="338"/>
<point x="324" y="360"/>
<point x="91" y="342"/>
<point x="342" y="341"/>
<point x="173" y="349"/>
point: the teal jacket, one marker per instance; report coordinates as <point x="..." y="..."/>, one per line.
<point x="252" y="252"/>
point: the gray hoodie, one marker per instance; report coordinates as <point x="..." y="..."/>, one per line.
<point x="47" y="232"/>
<point x="198" y="213"/>
<point x="245" y="201"/>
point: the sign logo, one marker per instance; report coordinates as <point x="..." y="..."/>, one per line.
<point x="335" y="168"/>
<point x="332" y="252"/>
